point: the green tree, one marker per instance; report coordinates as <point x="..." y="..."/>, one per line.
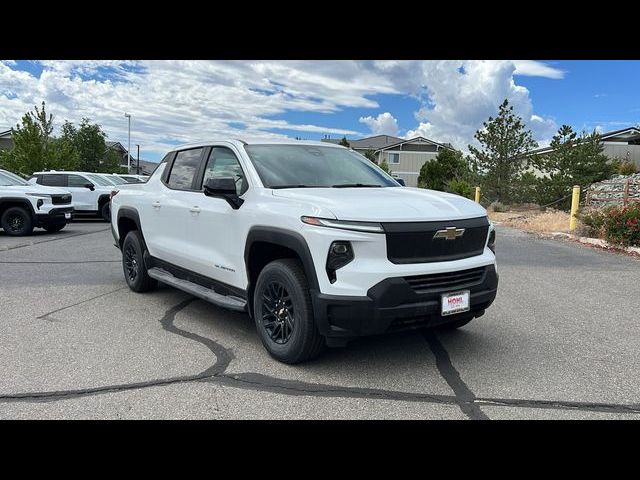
<point x="344" y="142"/>
<point x="89" y="141"/>
<point x="573" y="160"/>
<point x="437" y="173"/>
<point x="385" y="166"/>
<point x="370" y="154"/>
<point x="504" y="141"/>
<point x="112" y="163"/>
<point x="31" y="143"/>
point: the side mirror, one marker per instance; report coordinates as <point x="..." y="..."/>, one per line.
<point x="400" y="181"/>
<point x="223" y="187"/>
<point x="90" y="186"/>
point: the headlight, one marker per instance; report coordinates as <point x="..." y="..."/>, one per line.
<point x="340" y="253"/>
<point x="370" y="227"/>
<point x="491" y="243"/>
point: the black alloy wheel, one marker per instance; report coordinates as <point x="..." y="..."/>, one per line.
<point x="278" y="317"/>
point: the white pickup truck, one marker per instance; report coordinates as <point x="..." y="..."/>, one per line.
<point x="24" y="206"/>
<point x="314" y="241"/>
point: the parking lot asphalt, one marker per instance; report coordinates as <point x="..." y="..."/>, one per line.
<point x="561" y="341"/>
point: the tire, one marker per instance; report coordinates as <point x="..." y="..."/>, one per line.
<point x="105" y="211"/>
<point x="287" y="328"/>
<point x="55" y="227"/>
<point x="17" y="221"/>
<point x="133" y="267"/>
<point x="455" y="324"/>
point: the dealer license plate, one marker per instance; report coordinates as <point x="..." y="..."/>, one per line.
<point x="455" y="302"/>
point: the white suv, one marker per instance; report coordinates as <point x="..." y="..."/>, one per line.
<point x="314" y="241"/>
<point x="90" y="191"/>
<point x="24" y="206"/>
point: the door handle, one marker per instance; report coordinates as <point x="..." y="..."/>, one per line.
<point x="194" y="209"/>
<point x="156" y="204"/>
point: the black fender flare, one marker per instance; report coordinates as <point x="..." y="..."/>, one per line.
<point x="103" y="198"/>
<point x="130" y="214"/>
<point x="286" y="238"/>
<point x="20" y="200"/>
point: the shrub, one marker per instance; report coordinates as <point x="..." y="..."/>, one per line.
<point x="460" y="187"/>
<point x="594" y="221"/>
<point x="627" y="168"/>
<point x="622" y="225"/>
<point x="497" y="207"/>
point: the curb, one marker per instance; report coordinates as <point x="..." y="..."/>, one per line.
<point x="597" y="242"/>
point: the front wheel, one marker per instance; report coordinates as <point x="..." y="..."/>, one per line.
<point x="135" y="271"/>
<point x="283" y="313"/>
<point x="17" y="221"/>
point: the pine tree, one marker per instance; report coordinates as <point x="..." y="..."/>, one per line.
<point x="504" y="141"/>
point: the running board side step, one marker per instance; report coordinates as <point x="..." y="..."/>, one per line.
<point x="227" y="301"/>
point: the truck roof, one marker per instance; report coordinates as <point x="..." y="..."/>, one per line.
<point x="255" y="141"/>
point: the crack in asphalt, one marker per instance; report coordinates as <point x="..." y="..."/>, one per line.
<point x="47" y="316"/>
<point x="64" y="237"/>
<point x="465" y="398"/>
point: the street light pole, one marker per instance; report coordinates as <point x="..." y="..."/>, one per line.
<point x="138" y="161"/>
<point x="129" y="145"/>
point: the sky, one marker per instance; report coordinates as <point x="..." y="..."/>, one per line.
<point x="174" y="102"/>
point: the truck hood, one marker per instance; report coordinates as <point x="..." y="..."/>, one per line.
<point x="387" y="204"/>
<point x="34" y="188"/>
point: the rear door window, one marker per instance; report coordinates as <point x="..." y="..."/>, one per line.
<point x="53" y="180"/>
<point x="184" y="169"/>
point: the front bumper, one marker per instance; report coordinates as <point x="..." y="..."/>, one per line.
<point x="53" y="216"/>
<point x="392" y="305"/>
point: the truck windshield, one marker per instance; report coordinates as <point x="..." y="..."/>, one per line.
<point x="309" y="166"/>
<point x="8" y="179"/>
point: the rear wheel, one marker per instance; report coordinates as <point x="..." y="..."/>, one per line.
<point x="284" y="314"/>
<point x="17" y="221"/>
<point x="135" y="271"/>
<point x="55" y="227"/>
<point x="105" y="211"/>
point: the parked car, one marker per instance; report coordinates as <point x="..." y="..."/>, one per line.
<point x="134" y="178"/>
<point x="314" y="241"/>
<point x="24" y="206"/>
<point x="90" y="193"/>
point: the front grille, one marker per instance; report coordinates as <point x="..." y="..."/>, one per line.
<point x="60" y="199"/>
<point x="416" y="242"/>
<point x="446" y="282"/>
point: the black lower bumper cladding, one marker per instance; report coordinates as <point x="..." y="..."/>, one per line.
<point x="54" y="216"/>
<point x="393" y="305"/>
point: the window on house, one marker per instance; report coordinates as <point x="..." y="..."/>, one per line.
<point x="394" y="158"/>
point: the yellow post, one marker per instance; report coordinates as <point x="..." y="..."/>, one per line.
<point x="477" y="194"/>
<point x="575" y="200"/>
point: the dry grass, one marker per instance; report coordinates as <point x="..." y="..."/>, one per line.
<point x="533" y="220"/>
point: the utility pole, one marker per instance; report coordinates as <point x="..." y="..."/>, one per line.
<point x="129" y="145"/>
<point x="138" y="162"/>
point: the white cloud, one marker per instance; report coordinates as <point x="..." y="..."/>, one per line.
<point x="383" y="124"/>
<point x="461" y="95"/>
<point x="180" y="101"/>
<point x="535" y="68"/>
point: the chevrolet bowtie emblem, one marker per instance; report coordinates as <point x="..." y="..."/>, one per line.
<point x="449" y="233"/>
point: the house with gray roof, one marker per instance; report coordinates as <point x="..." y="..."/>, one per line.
<point x="405" y="157"/>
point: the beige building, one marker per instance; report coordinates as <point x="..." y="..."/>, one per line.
<point x="405" y="158"/>
<point x="6" y="141"/>
<point x="621" y="144"/>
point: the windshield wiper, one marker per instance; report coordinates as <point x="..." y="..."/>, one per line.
<point x="355" y="185"/>
<point x="302" y="185"/>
